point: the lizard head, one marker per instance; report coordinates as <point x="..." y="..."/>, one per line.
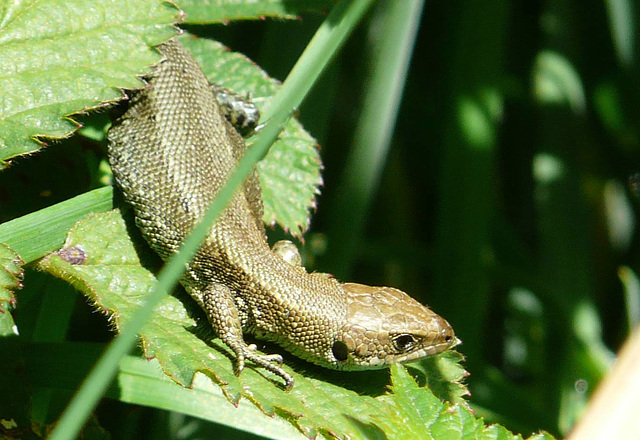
<point x="385" y="326"/>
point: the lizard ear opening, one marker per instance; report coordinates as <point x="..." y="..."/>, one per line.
<point x="340" y="351"/>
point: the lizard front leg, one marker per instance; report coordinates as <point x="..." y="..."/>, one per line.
<point x="217" y="301"/>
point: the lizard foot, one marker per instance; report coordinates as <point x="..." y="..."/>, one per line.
<point x="270" y="362"/>
<point x="217" y="301"/>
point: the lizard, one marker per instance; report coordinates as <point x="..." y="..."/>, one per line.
<point x="171" y="152"/>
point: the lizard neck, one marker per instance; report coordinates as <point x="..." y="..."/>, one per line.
<point x="304" y="312"/>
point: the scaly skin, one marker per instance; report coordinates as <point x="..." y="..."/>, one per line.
<point x="171" y="153"/>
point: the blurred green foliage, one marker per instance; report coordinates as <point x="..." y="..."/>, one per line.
<point x="504" y="201"/>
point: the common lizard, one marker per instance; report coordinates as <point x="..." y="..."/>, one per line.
<point x="171" y="153"/>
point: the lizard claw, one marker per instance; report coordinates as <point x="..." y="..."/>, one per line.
<point x="271" y="362"/>
<point x="274" y="358"/>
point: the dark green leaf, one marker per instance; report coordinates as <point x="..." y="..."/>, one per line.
<point x="11" y="274"/>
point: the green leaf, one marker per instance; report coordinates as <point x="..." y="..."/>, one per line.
<point x="202" y="11"/>
<point x="39" y="233"/>
<point x="443" y="375"/>
<point x="417" y="413"/>
<point x="290" y="173"/>
<point x="11" y="274"/>
<point x="100" y="259"/>
<point x="58" y="61"/>
<point x="14" y="411"/>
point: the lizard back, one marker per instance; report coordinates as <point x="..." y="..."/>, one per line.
<point x="171" y="153"/>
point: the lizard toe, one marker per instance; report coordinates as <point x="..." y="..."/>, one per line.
<point x="271" y="362"/>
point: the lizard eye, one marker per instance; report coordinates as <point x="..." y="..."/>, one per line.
<point x="404" y="342"/>
<point x="340" y="351"/>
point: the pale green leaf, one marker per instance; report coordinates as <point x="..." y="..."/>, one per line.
<point x="62" y="57"/>
<point x="220" y="11"/>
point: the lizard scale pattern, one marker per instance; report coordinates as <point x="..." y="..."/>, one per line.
<point x="171" y="153"/>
